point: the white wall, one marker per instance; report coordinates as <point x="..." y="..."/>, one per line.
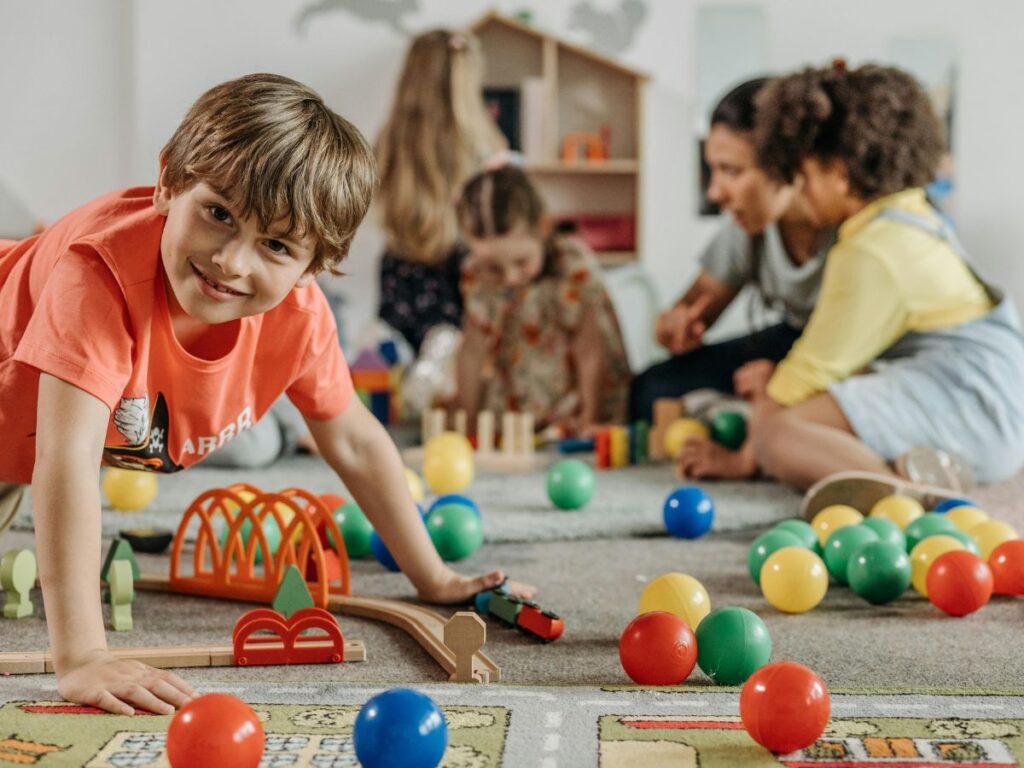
<point x="93" y="99"/>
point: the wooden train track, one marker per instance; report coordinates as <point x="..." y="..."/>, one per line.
<point x="425" y="626"/>
<point x="172" y="657"/>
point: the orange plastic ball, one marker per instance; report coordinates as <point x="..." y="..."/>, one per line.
<point x="959" y="582"/>
<point x="784" y="706"/>
<point x="217" y="730"/>
<point x="1007" y="565"/>
<point x="658" y="648"/>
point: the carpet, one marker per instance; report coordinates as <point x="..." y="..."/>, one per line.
<point x="516" y="508"/>
<point x="550" y="727"/>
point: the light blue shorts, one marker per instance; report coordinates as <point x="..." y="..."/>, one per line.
<point x="959" y="389"/>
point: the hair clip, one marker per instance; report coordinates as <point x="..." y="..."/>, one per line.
<point x="839" y="64"/>
<point x="457" y="41"/>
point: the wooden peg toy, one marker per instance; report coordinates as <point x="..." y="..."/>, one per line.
<point x="464" y="633"/>
<point x="122" y="595"/>
<point x="17" y="577"/>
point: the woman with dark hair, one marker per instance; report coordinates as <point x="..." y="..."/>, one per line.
<point x="769" y="242"/>
<point x="942" y="349"/>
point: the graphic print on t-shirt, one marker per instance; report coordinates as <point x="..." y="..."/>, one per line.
<point x="147" y="437"/>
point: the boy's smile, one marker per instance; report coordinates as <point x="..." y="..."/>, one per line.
<point x="221" y="267"/>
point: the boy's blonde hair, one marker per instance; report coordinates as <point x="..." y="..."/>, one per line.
<point x="438" y="133"/>
<point x="272" y="147"/>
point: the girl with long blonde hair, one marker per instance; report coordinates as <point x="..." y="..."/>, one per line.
<point x="438" y="134"/>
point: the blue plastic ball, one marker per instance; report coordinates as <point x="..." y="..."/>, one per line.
<point x="455" y="498"/>
<point x="400" y="728"/>
<point x="948" y="504"/>
<point x="380" y="550"/>
<point x="688" y="512"/>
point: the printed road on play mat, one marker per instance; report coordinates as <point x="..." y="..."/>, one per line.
<point x="550" y="728"/>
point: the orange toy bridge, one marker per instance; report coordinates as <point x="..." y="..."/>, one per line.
<point x="224" y="564"/>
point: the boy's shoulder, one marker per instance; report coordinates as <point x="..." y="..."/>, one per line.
<point x="122" y="227"/>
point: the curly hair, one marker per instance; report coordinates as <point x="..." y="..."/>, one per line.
<point x="877" y="120"/>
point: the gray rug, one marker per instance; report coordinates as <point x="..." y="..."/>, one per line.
<point x="515" y="508"/>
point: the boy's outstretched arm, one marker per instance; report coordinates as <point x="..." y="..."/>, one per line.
<point x="70" y="429"/>
<point x="360" y="450"/>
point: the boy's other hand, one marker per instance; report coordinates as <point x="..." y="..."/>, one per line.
<point x="460" y="589"/>
<point x="120" y="686"/>
<point x="681" y="328"/>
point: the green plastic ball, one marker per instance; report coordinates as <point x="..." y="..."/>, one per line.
<point x="270" y="531"/>
<point x="766" y="544"/>
<point x="732" y="644"/>
<point x="455" y="530"/>
<point x="929" y="524"/>
<point x="887" y="530"/>
<point x="570" y="484"/>
<point x="879" y="572"/>
<point x="355" y="529"/>
<point x="841" y="545"/>
<point x="729" y="429"/>
<point x="802" y="530"/>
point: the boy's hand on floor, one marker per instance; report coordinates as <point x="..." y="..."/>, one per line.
<point x="119" y="686"/>
<point x="460" y="589"/>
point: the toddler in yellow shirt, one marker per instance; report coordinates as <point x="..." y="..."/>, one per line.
<point x="907" y="347"/>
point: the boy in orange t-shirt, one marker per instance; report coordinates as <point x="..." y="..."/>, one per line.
<point x="152" y="325"/>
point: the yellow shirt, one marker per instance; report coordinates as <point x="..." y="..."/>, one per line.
<point x="882" y="279"/>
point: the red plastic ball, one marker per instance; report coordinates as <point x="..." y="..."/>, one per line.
<point x="215" y="731"/>
<point x="1007" y="565"/>
<point x="658" y="648"/>
<point x="784" y="706"/>
<point x="959" y="582"/>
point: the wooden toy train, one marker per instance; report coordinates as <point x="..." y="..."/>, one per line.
<point x="525" y="615"/>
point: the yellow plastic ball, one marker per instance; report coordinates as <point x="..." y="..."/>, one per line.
<point x="448" y="472"/>
<point x="831" y="519"/>
<point x="794" y="579"/>
<point x="129" y="490"/>
<point x="923" y="555"/>
<point x="901" y="510"/>
<point x="966" y="518"/>
<point x="681" y="430"/>
<point x="448" y="443"/>
<point x="991" y="534"/>
<point x="677" y="593"/>
<point x="415" y="485"/>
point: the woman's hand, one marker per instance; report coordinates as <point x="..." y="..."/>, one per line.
<point x="751" y="380"/>
<point x="681" y="328"/>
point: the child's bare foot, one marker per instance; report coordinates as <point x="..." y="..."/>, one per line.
<point x="703" y="458"/>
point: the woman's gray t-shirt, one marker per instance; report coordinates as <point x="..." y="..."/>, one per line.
<point x="791" y="288"/>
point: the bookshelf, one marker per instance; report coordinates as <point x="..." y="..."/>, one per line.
<point x="580" y="122"/>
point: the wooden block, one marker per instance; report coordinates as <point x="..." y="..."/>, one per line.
<point x="508" y="432"/>
<point x="122" y="595"/>
<point x="465" y="633"/>
<point x="17" y="577"/>
<point x="438" y="418"/>
<point x="525" y="433"/>
<point x="485" y="432"/>
<point x="666" y="410"/>
<point x="619" y="446"/>
<point x="460" y="421"/>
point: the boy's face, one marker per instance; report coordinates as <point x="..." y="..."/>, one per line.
<point x="511" y="260"/>
<point x="826" y="191"/>
<point x="739" y="185"/>
<point x="220" y="267"/>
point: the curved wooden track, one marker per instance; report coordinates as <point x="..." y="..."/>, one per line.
<point x="424" y="625"/>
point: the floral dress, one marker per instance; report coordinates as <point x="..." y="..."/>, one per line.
<point x="529" y="365"/>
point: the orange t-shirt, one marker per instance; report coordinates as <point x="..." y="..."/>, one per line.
<point x="85" y="301"/>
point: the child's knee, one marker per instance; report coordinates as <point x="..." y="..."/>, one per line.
<point x="772" y="436"/>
